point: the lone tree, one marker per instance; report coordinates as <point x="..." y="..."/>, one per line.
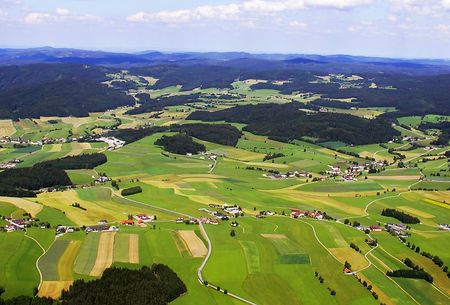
<point x="232" y="233"/>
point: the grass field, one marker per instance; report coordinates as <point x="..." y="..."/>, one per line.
<point x="274" y="260"/>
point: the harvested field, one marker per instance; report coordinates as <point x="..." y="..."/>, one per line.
<point x="348" y="254"/>
<point x="133" y="248"/>
<point x="6" y="128"/>
<point x="274" y="236"/>
<point x="195" y="245"/>
<point x="104" y="253"/>
<point x="55" y="148"/>
<point x="78" y="148"/>
<point x="53" y="289"/>
<point x="28" y="206"/>
<point x="67" y="260"/>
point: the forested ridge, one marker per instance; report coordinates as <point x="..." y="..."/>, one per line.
<point x="224" y="134"/>
<point x="286" y="122"/>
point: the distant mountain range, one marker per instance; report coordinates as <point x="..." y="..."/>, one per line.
<point x="235" y="59"/>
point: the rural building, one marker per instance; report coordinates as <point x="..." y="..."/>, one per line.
<point x="127" y="222"/>
<point x="101" y="228"/>
<point x="142" y="218"/>
<point x="376" y="228"/>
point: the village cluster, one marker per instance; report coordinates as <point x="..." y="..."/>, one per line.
<point x="353" y="171"/>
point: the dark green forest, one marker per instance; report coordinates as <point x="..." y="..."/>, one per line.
<point x="224" y="134"/>
<point x="286" y="122"/>
<point x="86" y="161"/>
<point x="157" y="285"/>
<point x="180" y="144"/>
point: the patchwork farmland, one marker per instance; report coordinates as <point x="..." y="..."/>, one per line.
<point x="269" y="221"/>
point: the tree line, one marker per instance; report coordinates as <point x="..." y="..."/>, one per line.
<point x="155" y="285"/>
<point x="401" y="216"/>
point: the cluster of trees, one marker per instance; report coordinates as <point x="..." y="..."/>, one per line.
<point x="21" y="182"/>
<point x="180" y="144"/>
<point x="401" y="216"/>
<point x="355" y="247"/>
<point x="157" y="285"/>
<point x="131" y="191"/>
<point x="86" y="161"/>
<point x="286" y="122"/>
<point x="224" y="134"/>
<point x="411" y="274"/>
<point x="271" y="156"/>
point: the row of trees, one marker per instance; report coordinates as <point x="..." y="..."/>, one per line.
<point x="401" y="216"/>
<point x="131" y="191"/>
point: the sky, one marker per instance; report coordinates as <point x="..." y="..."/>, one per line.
<point x="389" y="28"/>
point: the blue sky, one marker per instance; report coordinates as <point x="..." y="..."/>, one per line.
<point x="395" y="28"/>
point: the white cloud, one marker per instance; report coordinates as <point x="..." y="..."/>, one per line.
<point x="3" y="13"/>
<point x="422" y="7"/>
<point x="36" y="18"/>
<point x="243" y="10"/>
<point x="62" y="11"/>
<point x="60" y="15"/>
<point x="298" y="25"/>
<point x="222" y="12"/>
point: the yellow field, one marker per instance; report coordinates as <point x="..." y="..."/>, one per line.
<point x="104" y="253"/>
<point x="53" y="289"/>
<point x="78" y="148"/>
<point x="193" y="243"/>
<point x="67" y="260"/>
<point x="150" y="80"/>
<point x="133" y="249"/>
<point x="55" y="148"/>
<point x="356" y="259"/>
<point x="416" y="212"/>
<point x="76" y="122"/>
<point x="6" y="128"/>
<point x="317" y="199"/>
<point x="99" y="209"/>
<point x="274" y="236"/>
<point x="28" y="206"/>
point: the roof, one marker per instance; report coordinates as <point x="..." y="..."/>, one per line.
<point x="346" y="270"/>
<point x="127" y="221"/>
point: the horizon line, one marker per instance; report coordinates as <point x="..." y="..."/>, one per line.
<point x="175" y="51"/>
